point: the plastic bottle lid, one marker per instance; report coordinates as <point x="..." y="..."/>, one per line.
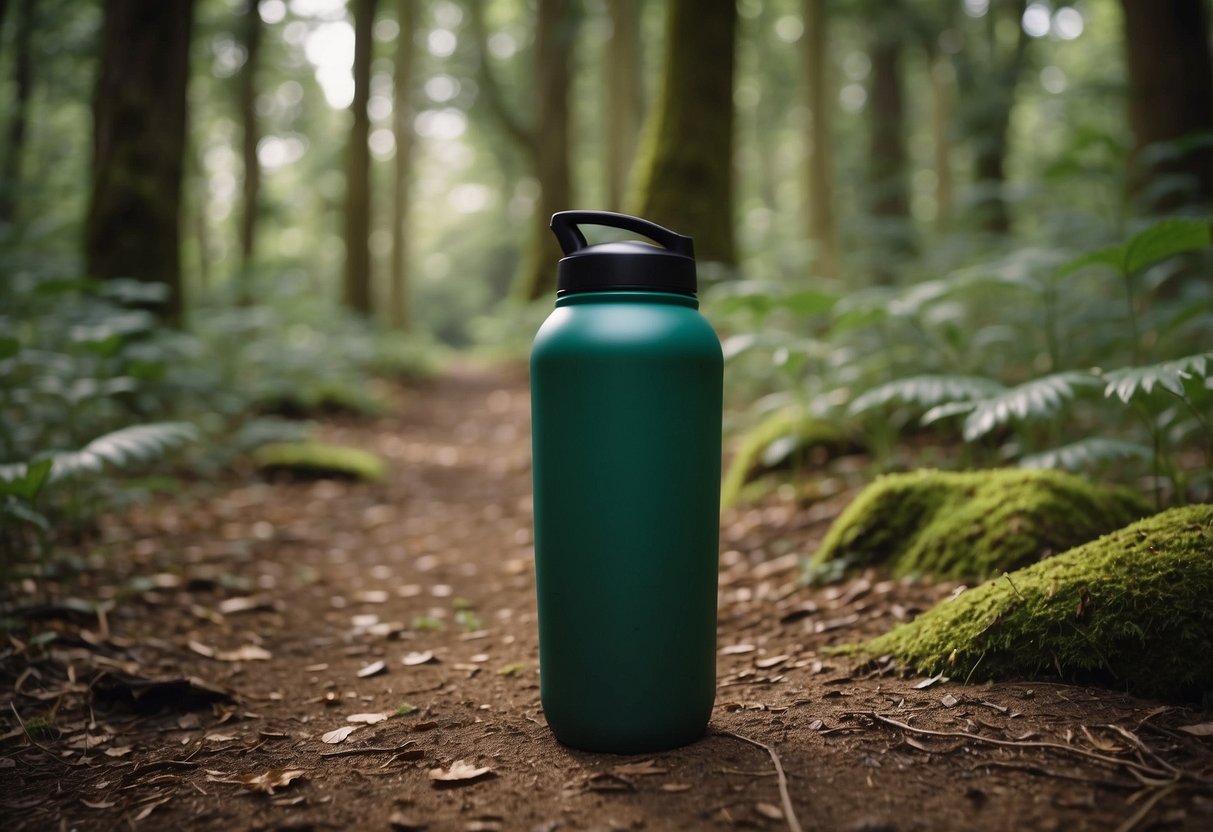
<point x="668" y="266"/>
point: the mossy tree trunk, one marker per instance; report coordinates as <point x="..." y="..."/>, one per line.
<point x="10" y="174"/>
<point x="357" y="285"/>
<point x="685" y="170"/>
<point x="625" y="97"/>
<point x="139" y="129"/>
<point x="819" y="168"/>
<point x="1170" y="97"/>
<point x="250" y="135"/>
<point x="402" y="126"/>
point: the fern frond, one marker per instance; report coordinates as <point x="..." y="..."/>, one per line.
<point x="1032" y="399"/>
<point x="1128" y="382"/>
<point x="926" y="390"/>
<point x="138" y="443"/>
<point x="1084" y="453"/>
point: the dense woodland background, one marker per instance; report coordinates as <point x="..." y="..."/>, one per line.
<point x="214" y="213"/>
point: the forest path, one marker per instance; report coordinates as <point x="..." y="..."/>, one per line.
<point x="288" y="594"/>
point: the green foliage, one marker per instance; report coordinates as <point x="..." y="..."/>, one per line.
<point x="316" y="459"/>
<point x="1157" y="242"/>
<point x="784" y="436"/>
<point x="971" y="524"/>
<point x="1130" y="609"/>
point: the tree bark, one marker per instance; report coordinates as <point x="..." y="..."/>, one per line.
<point x="943" y="83"/>
<point x="248" y="145"/>
<point x="1170" y="97"/>
<point x="402" y="125"/>
<point x="139" y="129"/>
<point x="820" y="225"/>
<point x="625" y="97"/>
<point x="10" y="175"/>
<point x="887" y="153"/>
<point x="685" y="176"/>
<point x="357" y="285"/>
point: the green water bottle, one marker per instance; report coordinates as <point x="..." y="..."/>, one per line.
<point x="626" y="382"/>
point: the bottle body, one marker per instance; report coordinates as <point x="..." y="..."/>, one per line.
<point x="626" y="421"/>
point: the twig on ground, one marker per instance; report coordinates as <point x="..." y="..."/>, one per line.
<point x="1143" y="810"/>
<point x="349" y="752"/>
<point x="789" y="813"/>
<point x="39" y="745"/>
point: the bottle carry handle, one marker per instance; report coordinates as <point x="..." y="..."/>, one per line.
<point x="564" y="226"/>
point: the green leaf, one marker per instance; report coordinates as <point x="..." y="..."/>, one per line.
<point x="1114" y="257"/>
<point x="926" y="390"/>
<point x="9" y="347"/>
<point x="1129" y="382"/>
<point x="1084" y="453"/>
<point x="13" y="509"/>
<point x="1033" y="399"/>
<point x="1164" y="239"/>
<point x="138" y="443"/>
<point x="24" y="480"/>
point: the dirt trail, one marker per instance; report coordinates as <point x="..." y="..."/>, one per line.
<point x="286" y="595"/>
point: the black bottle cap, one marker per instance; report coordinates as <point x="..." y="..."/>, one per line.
<point x="666" y="267"/>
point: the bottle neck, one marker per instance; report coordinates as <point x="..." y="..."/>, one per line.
<point x="625" y="296"/>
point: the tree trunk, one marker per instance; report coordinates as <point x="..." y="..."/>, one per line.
<point x="625" y="97"/>
<point x="357" y="287"/>
<point x="943" y="82"/>
<point x="887" y="155"/>
<point x="819" y="167"/>
<point x="402" y="125"/>
<point x="1170" y="98"/>
<point x="685" y="178"/>
<point x="10" y="176"/>
<point x="139" y="120"/>
<point x="248" y="144"/>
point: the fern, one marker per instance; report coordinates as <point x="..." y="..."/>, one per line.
<point x="138" y="443"/>
<point x="1033" y="399"/>
<point x="1085" y="453"/>
<point x="926" y="390"/>
<point x="1158" y="242"/>
<point x="1129" y="382"/>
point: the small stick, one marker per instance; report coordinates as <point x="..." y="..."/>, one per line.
<point x="349" y="752"/>
<point x="1138" y="816"/>
<point x="789" y="813"/>
<point x="37" y="744"/>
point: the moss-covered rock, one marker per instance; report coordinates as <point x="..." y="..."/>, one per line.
<point x="784" y="435"/>
<point x="971" y="524"/>
<point x="1131" y="608"/>
<point x="318" y="460"/>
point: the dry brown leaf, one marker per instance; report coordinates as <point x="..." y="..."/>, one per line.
<point x="1200" y="729"/>
<point x="372" y="669"/>
<point x="770" y="661"/>
<point x="118" y="751"/>
<point x="338" y="734"/>
<point x="675" y="787"/>
<point x="645" y="767"/>
<point x="949" y="701"/>
<point x="275" y="778"/>
<point x="202" y="649"/>
<point x="737" y="649"/>
<point x="98" y="804"/>
<point x="416" y="658"/>
<point x="250" y="603"/>
<point x="769" y="811"/>
<point x="217" y="737"/>
<point x="460" y="772"/>
<point x="368" y="719"/>
<point x="244" y="653"/>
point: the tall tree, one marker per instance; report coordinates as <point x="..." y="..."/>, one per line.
<point x="139" y="129"/>
<point x="10" y="174"/>
<point x="357" y="286"/>
<point x="685" y="169"/>
<point x="625" y="97"/>
<point x="1170" y="96"/>
<point x="988" y="75"/>
<point x="402" y="127"/>
<point x="250" y="135"/>
<point x="943" y="84"/>
<point x="887" y="154"/>
<point x="819" y="168"/>
<point x="546" y="137"/>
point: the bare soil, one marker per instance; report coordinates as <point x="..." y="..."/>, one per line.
<point x="244" y="623"/>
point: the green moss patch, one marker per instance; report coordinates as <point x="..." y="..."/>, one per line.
<point x="1131" y="608"/>
<point x="786" y="437"/>
<point x="971" y="524"/>
<point x="318" y="460"/>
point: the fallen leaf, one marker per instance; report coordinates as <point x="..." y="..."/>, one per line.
<point x="339" y="734"/>
<point x="926" y="683"/>
<point x="372" y="596"/>
<point x="251" y="603"/>
<point x="769" y="811"/>
<point x="460" y="772"/>
<point x="368" y="719"/>
<point x="275" y="778"/>
<point x="118" y="751"/>
<point x="737" y="649"/>
<point x="414" y="659"/>
<point x="98" y="804"/>
<point x="401" y="822"/>
<point x="769" y="662"/>
<point x="645" y="767"/>
<point x="372" y="669"/>
<point x="675" y="787"/>
<point x="511" y="669"/>
<point x="1200" y="729"/>
<point x="244" y="653"/>
<point x="202" y="649"/>
<point x="949" y="701"/>
<point x="217" y="737"/>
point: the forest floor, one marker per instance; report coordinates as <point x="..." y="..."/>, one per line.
<point x="246" y="625"/>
